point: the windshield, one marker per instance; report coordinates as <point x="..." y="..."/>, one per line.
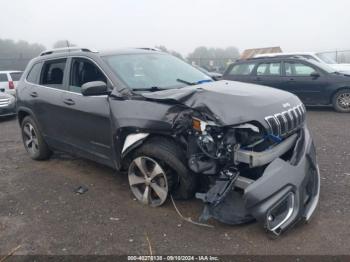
<point x="323" y="66"/>
<point x="326" y="57"/>
<point x="146" y="71"/>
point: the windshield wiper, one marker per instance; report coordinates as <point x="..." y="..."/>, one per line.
<point x="186" y="82"/>
<point x="193" y="83"/>
<point x="152" y="89"/>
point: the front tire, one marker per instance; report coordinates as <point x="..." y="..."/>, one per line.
<point x="157" y="169"/>
<point x="33" y="141"/>
<point x="341" y="101"/>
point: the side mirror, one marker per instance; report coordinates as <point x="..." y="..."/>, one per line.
<point x="94" y="88"/>
<point x="315" y="74"/>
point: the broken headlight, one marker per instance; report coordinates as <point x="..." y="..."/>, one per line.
<point x="209" y="137"/>
<point x="217" y="142"/>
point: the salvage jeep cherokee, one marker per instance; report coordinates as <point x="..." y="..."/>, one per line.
<point x="243" y="149"/>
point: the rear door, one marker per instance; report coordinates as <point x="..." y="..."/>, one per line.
<point x="298" y="80"/>
<point x="46" y="100"/>
<point x="240" y="72"/>
<point x="86" y="118"/>
<point x="269" y="74"/>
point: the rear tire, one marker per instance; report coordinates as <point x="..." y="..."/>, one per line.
<point x="341" y="101"/>
<point x="181" y="182"/>
<point x="33" y="140"/>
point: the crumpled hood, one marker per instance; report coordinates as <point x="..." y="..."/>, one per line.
<point x="229" y="102"/>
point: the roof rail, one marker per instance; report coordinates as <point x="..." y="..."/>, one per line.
<point x="66" y="49"/>
<point x="149" y="48"/>
<point x="276" y="56"/>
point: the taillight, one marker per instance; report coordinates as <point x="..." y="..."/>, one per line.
<point x="11" y="85"/>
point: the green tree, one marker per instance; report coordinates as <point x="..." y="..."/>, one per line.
<point x="16" y="55"/>
<point x="213" y="59"/>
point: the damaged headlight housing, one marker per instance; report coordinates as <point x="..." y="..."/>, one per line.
<point x="217" y="142"/>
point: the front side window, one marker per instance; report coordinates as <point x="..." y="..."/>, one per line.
<point x="242" y="69"/>
<point x="298" y="69"/>
<point x="3" y="78"/>
<point x="52" y="73"/>
<point x="83" y="71"/>
<point x="269" y="69"/>
<point x="328" y="58"/>
<point x="34" y="73"/>
<point x="150" y="70"/>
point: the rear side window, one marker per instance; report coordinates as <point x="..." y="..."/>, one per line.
<point x="298" y="69"/>
<point x="16" y="76"/>
<point x="3" y="78"/>
<point x="269" y="69"/>
<point x="242" y="69"/>
<point x="33" y="76"/>
<point x="52" y="73"/>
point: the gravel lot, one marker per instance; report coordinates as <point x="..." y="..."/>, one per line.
<point x="40" y="211"/>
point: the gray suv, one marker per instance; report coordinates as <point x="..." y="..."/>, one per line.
<point x="243" y="149"/>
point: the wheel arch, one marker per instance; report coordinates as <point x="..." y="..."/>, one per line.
<point x="22" y="112"/>
<point x="336" y="91"/>
<point x="147" y="137"/>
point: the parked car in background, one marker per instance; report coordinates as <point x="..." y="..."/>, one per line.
<point x="7" y="104"/>
<point x="8" y="81"/>
<point x="172" y="128"/>
<point x="214" y="75"/>
<point x="318" y="57"/>
<point x="313" y="82"/>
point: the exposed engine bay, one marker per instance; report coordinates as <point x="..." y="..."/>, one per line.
<point x="232" y="158"/>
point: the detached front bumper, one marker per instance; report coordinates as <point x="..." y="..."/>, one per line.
<point x="287" y="192"/>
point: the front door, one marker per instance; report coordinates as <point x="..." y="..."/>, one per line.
<point x="300" y="79"/>
<point x="87" y="119"/>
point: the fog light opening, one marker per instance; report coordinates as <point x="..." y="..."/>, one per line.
<point x="280" y="213"/>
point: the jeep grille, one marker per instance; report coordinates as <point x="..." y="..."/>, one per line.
<point x="283" y="123"/>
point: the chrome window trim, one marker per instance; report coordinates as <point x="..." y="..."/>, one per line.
<point x="62" y="90"/>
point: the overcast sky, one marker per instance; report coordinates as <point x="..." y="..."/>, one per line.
<point x="182" y="25"/>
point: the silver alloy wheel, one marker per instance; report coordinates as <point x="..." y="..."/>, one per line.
<point x="30" y="139"/>
<point x="148" y="181"/>
<point x="343" y="100"/>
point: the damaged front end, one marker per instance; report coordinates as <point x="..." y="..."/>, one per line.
<point x="250" y="149"/>
<point x="256" y="173"/>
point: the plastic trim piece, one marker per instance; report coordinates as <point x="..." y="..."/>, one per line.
<point x="132" y="139"/>
<point x="314" y="203"/>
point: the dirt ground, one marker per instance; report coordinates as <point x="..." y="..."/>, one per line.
<point x="40" y="211"/>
